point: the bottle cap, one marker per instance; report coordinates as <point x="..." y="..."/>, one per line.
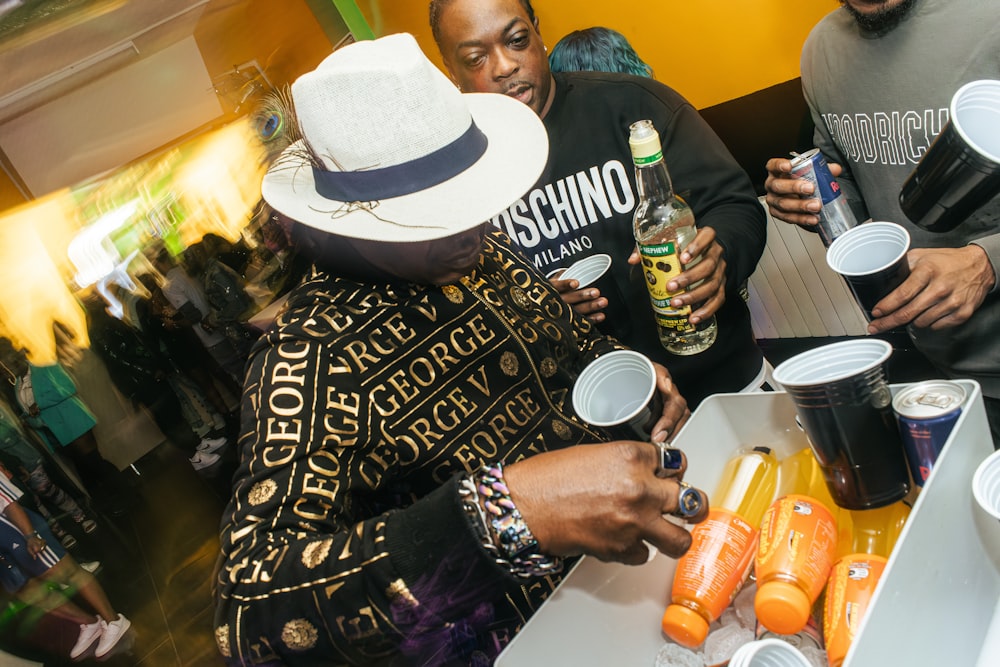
<point x="782" y="607"/>
<point x="644" y="142"/>
<point x="685" y="626"/>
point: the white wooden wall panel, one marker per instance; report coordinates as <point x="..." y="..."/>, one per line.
<point x="794" y="294"/>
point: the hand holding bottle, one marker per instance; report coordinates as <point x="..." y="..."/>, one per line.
<point x="663" y="226"/>
<point x="705" y="270"/>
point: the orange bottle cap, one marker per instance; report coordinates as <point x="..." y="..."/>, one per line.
<point x="782" y="607"/>
<point x="685" y="626"/>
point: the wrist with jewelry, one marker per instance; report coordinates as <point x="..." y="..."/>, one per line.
<point x="500" y="527"/>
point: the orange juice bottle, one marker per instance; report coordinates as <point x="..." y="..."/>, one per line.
<point x="862" y="559"/>
<point x="798" y="542"/>
<point x="710" y="574"/>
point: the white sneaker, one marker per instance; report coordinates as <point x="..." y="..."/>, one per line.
<point x="91" y="566"/>
<point x="113" y="632"/>
<point x="88" y="635"/>
<point x="209" y="445"/>
<point x="202" y="460"/>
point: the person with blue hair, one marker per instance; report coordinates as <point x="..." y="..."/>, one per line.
<point x="597" y="49"/>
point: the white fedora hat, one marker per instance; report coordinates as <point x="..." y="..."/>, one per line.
<point x="392" y="151"/>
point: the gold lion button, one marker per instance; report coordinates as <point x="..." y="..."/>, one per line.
<point x="261" y="492"/>
<point x="561" y="429"/>
<point x="520" y="297"/>
<point x="509" y="364"/>
<point x="299" y="634"/>
<point x="222" y="640"/>
<point x="316" y="552"/>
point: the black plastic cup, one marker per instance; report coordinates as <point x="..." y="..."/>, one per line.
<point x="872" y="259"/>
<point x="844" y="405"/>
<point x="961" y="169"/>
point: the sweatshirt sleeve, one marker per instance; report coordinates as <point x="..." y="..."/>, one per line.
<point x="708" y="178"/>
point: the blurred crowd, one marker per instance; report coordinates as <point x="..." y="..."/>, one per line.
<point x="168" y="350"/>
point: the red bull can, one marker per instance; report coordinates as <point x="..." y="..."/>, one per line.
<point x="927" y="412"/>
<point x="836" y="216"/>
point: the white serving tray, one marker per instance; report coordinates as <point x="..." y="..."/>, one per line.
<point x="940" y="588"/>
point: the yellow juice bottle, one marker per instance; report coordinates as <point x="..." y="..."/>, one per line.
<point x="710" y="574"/>
<point x="797" y="545"/>
<point x="862" y="556"/>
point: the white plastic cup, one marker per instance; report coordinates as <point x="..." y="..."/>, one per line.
<point x="872" y="259"/>
<point x="768" y="653"/>
<point x="586" y="270"/>
<point x="618" y="389"/>
<point x="986" y="491"/>
<point x="986" y="485"/>
<point x="843" y="402"/>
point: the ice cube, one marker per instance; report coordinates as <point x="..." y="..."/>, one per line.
<point x="743" y="604"/>
<point x="721" y="644"/>
<point x="729" y="617"/>
<point x="675" y="655"/>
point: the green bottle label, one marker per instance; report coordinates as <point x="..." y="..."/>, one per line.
<point x="649" y="159"/>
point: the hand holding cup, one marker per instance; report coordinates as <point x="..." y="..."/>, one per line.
<point x="631" y="396"/>
<point x="872" y="259"/>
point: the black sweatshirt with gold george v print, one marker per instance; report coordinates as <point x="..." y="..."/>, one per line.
<point x="345" y="541"/>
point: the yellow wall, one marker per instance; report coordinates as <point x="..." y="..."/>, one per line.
<point x="710" y="51"/>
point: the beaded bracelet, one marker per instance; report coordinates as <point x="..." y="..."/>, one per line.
<point x="501" y="523"/>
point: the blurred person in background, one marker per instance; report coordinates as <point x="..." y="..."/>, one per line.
<point x="191" y="309"/>
<point x="24" y="460"/>
<point x="230" y="304"/>
<point x="597" y="49"/>
<point x="195" y="371"/>
<point x="47" y="397"/>
<point x="32" y="563"/>
<point x="234" y="255"/>
<point x="141" y="374"/>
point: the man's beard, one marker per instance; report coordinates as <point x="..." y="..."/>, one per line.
<point x="882" y="20"/>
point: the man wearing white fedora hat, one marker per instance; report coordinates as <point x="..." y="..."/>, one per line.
<point x="412" y="472"/>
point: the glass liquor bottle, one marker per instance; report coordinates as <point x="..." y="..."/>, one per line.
<point x="663" y="225"/>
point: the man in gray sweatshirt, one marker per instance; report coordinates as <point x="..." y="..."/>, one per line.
<point x="879" y="76"/>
